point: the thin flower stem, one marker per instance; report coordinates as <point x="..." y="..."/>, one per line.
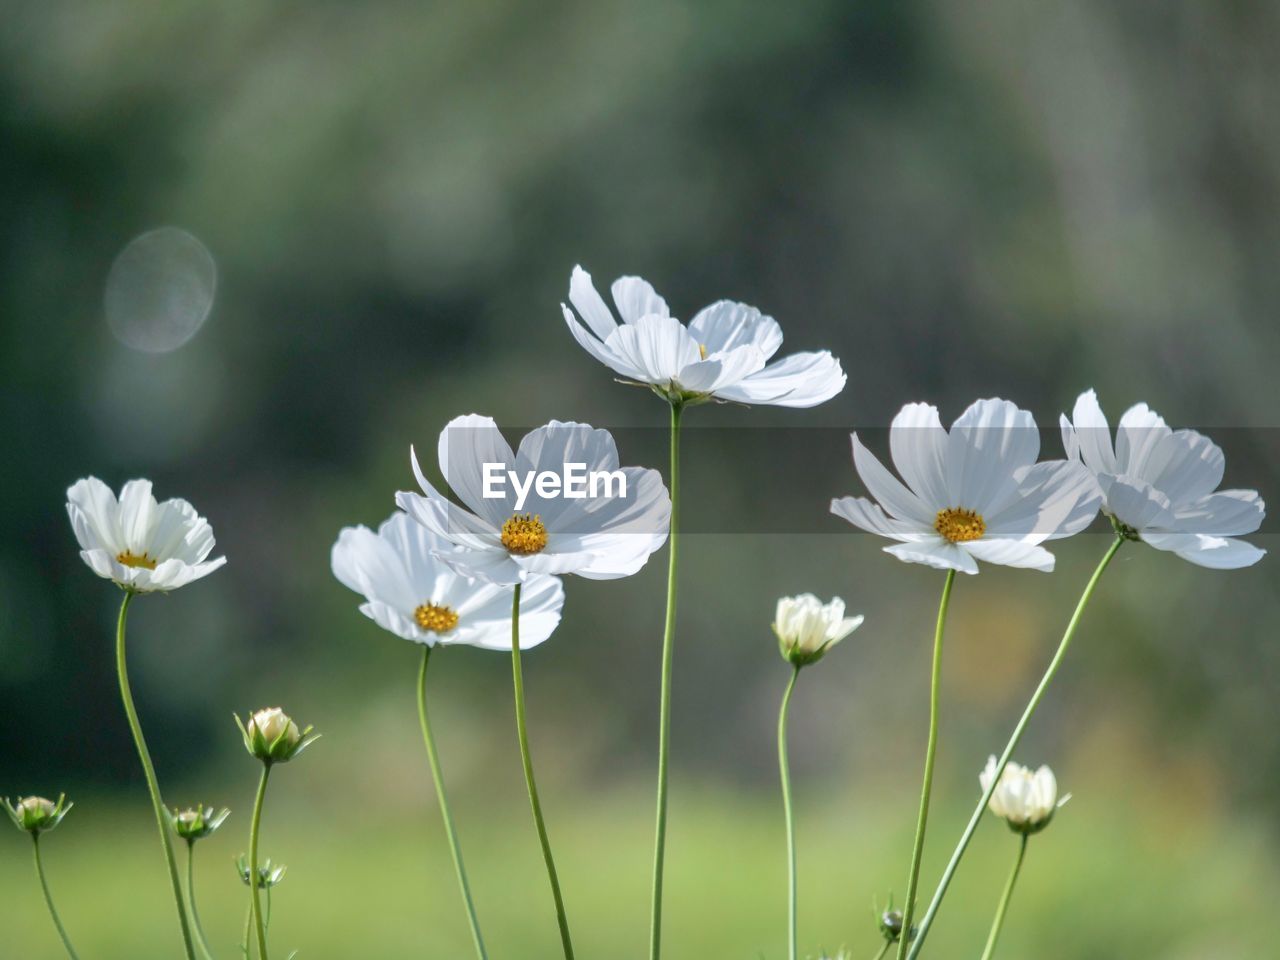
<point x="883" y="950"/>
<point x="664" y="704"/>
<point x="454" y="849"/>
<point x="527" y="761"/>
<point x="259" y="923"/>
<point x="201" y="940"/>
<point x="931" y="751"/>
<point x="248" y="930"/>
<point x="1003" y="908"/>
<point x="162" y="815"/>
<point x="784" y="772"/>
<point x="48" y="899"/>
<point x="1012" y="745"/>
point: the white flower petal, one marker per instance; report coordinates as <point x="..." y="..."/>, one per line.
<point x="1218" y="553"/>
<point x="391" y="619"/>
<point x="1185" y="465"/>
<point x="551" y="447"/>
<point x="988" y="444"/>
<point x="726" y="324"/>
<point x="869" y="516"/>
<point x="1056" y="498"/>
<point x="607" y="556"/>
<point x="466" y="444"/>
<point x="137" y="515"/>
<point x="1092" y="434"/>
<point x="799" y="380"/>
<point x="1227" y="513"/>
<point x="598" y="348"/>
<point x="988" y="775"/>
<point x="178" y="530"/>
<point x="646" y="509"/>
<point x="369" y="564"/>
<point x="1141" y="430"/>
<point x="918" y="445"/>
<point x="95" y="515"/>
<point x="446" y="519"/>
<point x="493" y="566"/>
<point x="590" y="305"/>
<point x="541" y="600"/>
<point x="1136" y="503"/>
<point x="102" y="563"/>
<point x="1010" y="553"/>
<point x="726" y="369"/>
<point x="901" y="503"/>
<point x="657" y="347"/>
<point x="636" y="298"/>
<point x="935" y="553"/>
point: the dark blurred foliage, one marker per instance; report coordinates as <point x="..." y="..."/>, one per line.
<point x="1009" y="199"/>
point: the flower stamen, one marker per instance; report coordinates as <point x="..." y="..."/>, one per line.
<point x="131" y="559"/>
<point x="958" y="525"/>
<point x="436" y="617"/>
<point x="524" y="534"/>
<point x="702" y="351"/>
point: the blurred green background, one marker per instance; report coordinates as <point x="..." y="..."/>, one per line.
<point x="1009" y="199"/>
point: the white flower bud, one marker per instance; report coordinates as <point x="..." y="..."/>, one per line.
<point x="271" y="723"/>
<point x="1025" y="799"/>
<point x="36" y="814"/>
<point x="806" y="627"/>
<point x="36" y="807"/>
<point x="271" y="736"/>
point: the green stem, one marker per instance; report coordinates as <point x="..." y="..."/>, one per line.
<point x="998" y="922"/>
<point x="253" y="861"/>
<point x="1036" y="697"/>
<point x="664" y="705"/>
<point x="784" y="771"/>
<point x="48" y="899"/>
<point x="884" y="950"/>
<point x="201" y="940"/>
<point x="248" y="930"/>
<point x="527" y="761"/>
<point x="931" y="751"/>
<point x="434" y="760"/>
<point x="162" y="815"/>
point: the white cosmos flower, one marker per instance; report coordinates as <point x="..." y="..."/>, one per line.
<point x="1025" y="799"/>
<point x="723" y="354"/>
<point x="807" y="628"/>
<point x="973" y="494"/>
<point x="414" y="594"/>
<point x="1159" y="485"/>
<point x="140" y="544"/>
<point x="601" y="537"/>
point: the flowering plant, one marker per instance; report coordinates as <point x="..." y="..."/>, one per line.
<point x="486" y="573"/>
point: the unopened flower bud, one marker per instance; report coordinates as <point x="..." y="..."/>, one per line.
<point x="891" y="925"/>
<point x="1026" y="800"/>
<point x="269" y="874"/>
<point x="273" y="737"/>
<point x="196" y="823"/>
<point x="889" y="922"/>
<point x="36" y="814"/>
<point x="807" y="628"/>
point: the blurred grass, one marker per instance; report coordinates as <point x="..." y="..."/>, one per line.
<point x="1111" y="878"/>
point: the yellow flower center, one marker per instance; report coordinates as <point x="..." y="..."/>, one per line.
<point x="130" y="559"/>
<point x="702" y="350"/>
<point x="960" y="525"/>
<point x="524" y="534"/>
<point x="435" y="617"/>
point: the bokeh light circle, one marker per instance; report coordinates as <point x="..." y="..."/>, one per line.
<point x="160" y="290"/>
